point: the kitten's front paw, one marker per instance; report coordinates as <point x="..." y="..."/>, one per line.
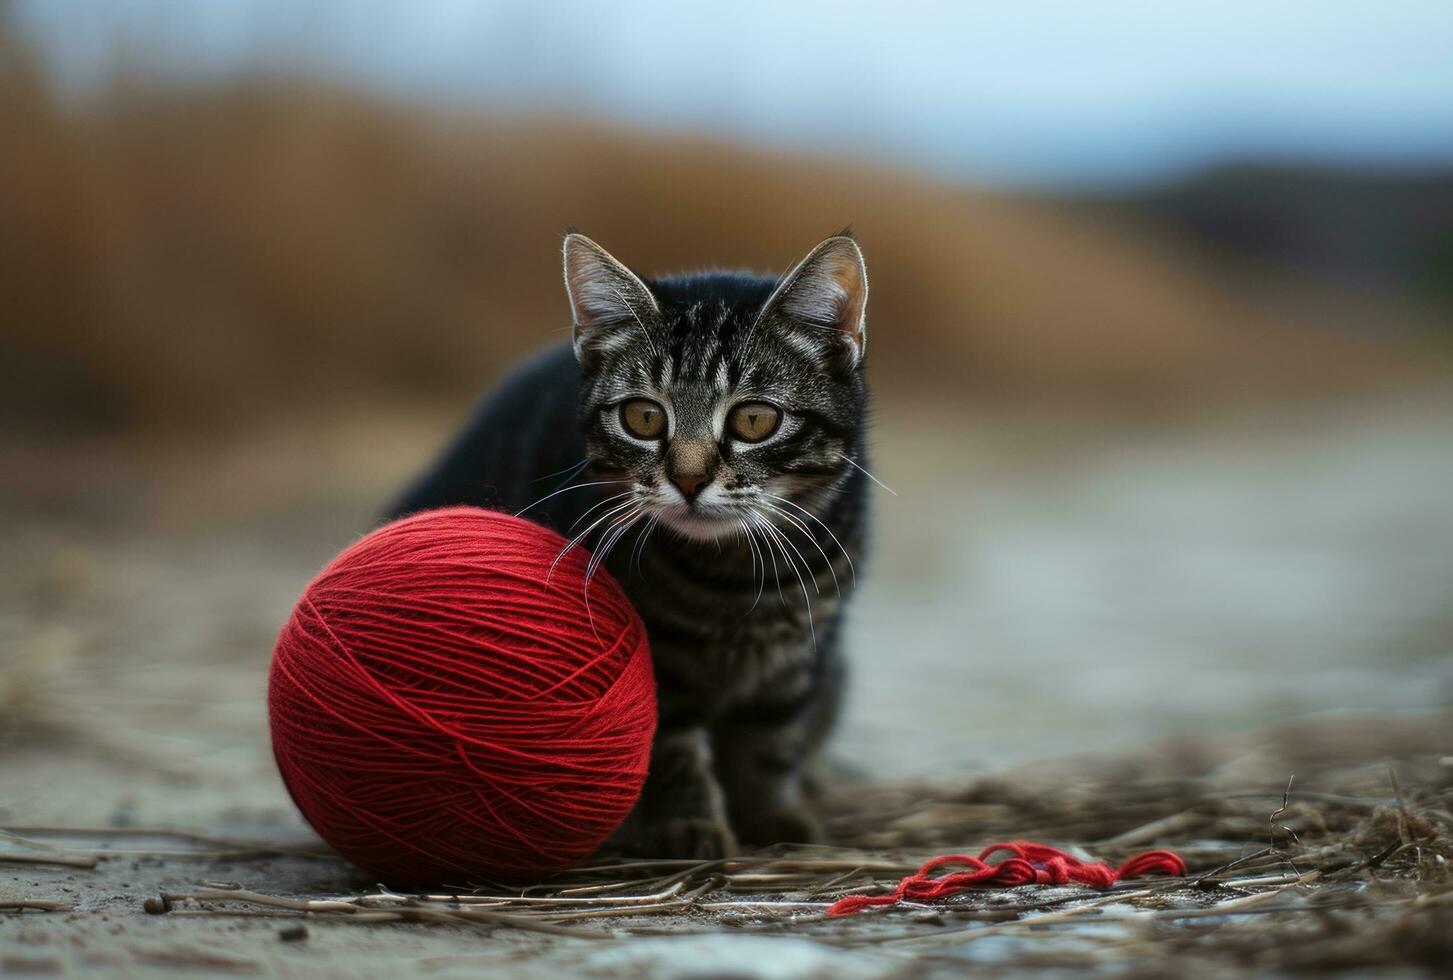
<point x="701" y="838"/>
<point x="781" y="826"/>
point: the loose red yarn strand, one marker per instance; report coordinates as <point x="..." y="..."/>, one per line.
<point x="1028" y="864"/>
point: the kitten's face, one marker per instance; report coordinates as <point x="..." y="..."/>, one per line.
<point x="720" y="401"/>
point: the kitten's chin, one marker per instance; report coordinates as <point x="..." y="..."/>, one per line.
<point x="700" y="525"/>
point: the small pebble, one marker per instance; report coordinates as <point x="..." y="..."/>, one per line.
<point x="157" y="905"/>
<point x="293" y="934"/>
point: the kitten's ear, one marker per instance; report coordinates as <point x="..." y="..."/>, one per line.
<point x="828" y="292"/>
<point x="604" y="294"/>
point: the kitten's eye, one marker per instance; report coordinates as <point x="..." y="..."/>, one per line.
<point x="643" y="418"/>
<point x="753" y="421"/>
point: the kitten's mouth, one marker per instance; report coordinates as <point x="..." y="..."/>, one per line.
<point x="700" y="522"/>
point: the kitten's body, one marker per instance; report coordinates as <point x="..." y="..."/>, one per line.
<point x="744" y="630"/>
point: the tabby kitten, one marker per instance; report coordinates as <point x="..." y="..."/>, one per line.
<point x="709" y="430"/>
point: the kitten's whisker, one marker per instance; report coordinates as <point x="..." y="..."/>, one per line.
<point x="575" y="541"/>
<point x="855" y="465"/>
<point x="640" y="546"/>
<point x="775" y="532"/>
<point x="572" y="470"/>
<point x="852" y="569"/>
<point x="772" y="553"/>
<point x="575" y="486"/>
<point x="787" y="540"/>
<point x="597" y="556"/>
<point x="752" y="544"/>
<point x="757" y="546"/>
<point x="751" y="548"/>
<point x="811" y="537"/>
<point x="618" y="509"/>
<point x="800" y="557"/>
<point x="595" y="506"/>
<point x="619" y="527"/>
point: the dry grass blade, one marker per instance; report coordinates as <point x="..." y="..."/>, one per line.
<point x="33" y="904"/>
<point x="39" y="852"/>
<point x="354" y="909"/>
<point x="64" y="860"/>
<point x="208" y="844"/>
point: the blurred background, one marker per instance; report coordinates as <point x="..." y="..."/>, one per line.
<point x="1162" y="318"/>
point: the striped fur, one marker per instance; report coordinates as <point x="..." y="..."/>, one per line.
<point x="743" y="586"/>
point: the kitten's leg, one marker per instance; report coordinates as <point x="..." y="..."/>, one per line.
<point x="762" y="751"/>
<point x="760" y="766"/>
<point x="681" y="813"/>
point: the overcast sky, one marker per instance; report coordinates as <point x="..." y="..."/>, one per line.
<point x="1026" y="92"/>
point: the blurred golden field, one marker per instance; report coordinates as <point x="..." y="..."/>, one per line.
<point x="218" y="256"/>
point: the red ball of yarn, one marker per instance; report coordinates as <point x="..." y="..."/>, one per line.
<point x="446" y="708"/>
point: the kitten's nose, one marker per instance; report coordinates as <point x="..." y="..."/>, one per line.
<point x="690" y="484"/>
<point x="690" y="464"/>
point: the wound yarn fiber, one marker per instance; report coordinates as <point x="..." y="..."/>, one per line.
<point x="447" y="708"/>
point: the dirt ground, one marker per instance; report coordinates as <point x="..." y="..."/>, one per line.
<point x="1209" y="608"/>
